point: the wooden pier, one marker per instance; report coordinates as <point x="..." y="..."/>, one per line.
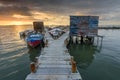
<point x="55" y="63"/>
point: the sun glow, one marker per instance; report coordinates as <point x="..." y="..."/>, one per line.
<point x="18" y="16"/>
<point x="17" y="23"/>
<point x="47" y="18"/>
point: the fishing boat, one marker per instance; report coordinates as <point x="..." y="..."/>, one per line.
<point x="34" y="40"/>
<point x="35" y="37"/>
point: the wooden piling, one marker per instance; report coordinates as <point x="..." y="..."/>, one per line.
<point x="73" y="64"/>
<point x="33" y="67"/>
<point x="74" y="68"/>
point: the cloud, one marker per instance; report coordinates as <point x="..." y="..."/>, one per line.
<point x="10" y="10"/>
<point x="54" y="8"/>
<point x="83" y="6"/>
<point x="63" y="6"/>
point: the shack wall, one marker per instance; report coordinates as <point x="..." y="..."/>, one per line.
<point x="38" y="26"/>
<point x="84" y="25"/>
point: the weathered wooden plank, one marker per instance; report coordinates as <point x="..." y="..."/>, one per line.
<point x="54" y="66"/>
<point x="48" y="77"/>
<point x="51" y="71"/>
<point x="43" y="62"/>
<point x="74" y="76"/>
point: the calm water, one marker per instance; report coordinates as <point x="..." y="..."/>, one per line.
<point x="14" y="58"/>
<point x="99" y="64"/>
<point x="93" y="64"/>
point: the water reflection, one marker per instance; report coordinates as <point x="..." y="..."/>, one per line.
<point x="34" y="52"/>
<point x="83" y="55"/>
<point x="17" y="29"/>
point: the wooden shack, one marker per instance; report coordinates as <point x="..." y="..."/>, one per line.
<point x="38" y="26"/>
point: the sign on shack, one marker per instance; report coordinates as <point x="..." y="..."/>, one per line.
<point x="83" y="25"/>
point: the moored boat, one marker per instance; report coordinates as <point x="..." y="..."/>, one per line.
<point x="34" y="40"/>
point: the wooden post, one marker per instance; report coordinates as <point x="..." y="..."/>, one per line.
<point x="97" y="41"/>
<point x="101" y="40"/>
<point x="33" y="67"/>
<point x="73" y="64"/>
<point x="74" y="68"/>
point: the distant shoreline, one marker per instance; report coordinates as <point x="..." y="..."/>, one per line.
<point x="108" y="27"/>
<point x="105" y="27"/>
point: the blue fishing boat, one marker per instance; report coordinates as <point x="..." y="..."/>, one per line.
<point x="34" y="40"/>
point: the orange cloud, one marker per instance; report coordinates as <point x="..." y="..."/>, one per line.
<point x="47" y="18"/>
<point x="19" y="16"/>
<point x="51" y="19"/>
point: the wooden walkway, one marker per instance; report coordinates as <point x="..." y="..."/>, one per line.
<point x="54" y="63"/>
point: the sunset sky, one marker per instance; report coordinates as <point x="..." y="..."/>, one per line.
<point x="57" y="12"/>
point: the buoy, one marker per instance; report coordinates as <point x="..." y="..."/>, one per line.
<point x="33" y="67"/>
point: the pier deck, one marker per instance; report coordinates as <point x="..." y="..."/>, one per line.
<point x="54" y="63"/>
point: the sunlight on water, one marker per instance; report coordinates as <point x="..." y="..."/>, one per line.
<point x="14" y="58"/>
<point x="18" y="29"/>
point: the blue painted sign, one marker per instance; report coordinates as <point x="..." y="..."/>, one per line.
<point x="83" y="25"/>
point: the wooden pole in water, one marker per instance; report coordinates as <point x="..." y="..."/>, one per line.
<point x="73" y="64"/>
<point x="74" y="68"/>
<point x="97" y="40"/>
<point x="101" y="42"/>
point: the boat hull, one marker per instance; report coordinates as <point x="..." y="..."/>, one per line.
<point x="34" y="40"/>
<point x="34" y="43"/>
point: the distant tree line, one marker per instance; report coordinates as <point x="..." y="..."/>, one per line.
<point x="100" y="27"/>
